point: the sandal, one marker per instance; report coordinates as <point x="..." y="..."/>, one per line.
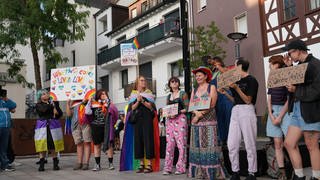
<point x="148" y="169"/>
<point x="140" y="169"/>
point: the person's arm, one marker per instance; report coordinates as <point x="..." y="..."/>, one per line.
<point x="88" y="109"/>
<point x="244" y="97"/>
<point x="68" y="108"/>
<point x="185" y="101"/>
<point x="58" y="112"/>
<point x="10" y="104"/>
<point x="147" y="104"/>
<point x="214" y="97"/>
<point x="224" y="92"/>
<point x="309" y="92"/>
<point x="283" y="111"/>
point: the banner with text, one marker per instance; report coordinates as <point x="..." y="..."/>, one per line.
<point x="75" y="83"/>
<point x="287" y="76"/>
<point x="129" y="54"/>
<point x="229" y="77"/>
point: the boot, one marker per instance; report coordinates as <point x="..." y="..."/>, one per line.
<point x="41" y="164"/>
<point x="55" y="164"/>
<point x="295" y="177"/>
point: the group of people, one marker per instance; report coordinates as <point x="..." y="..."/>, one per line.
<point x="230" y="116"/>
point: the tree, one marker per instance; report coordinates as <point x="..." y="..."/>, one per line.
<point x="38" y="23"/>
<point x="207" y="41"/>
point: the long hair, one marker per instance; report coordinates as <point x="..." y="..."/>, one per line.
<point x="39" y="94"/>
<point x="135" y="87"/>
<point x="99" y="93"/>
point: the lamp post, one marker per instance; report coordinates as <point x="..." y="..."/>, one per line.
<point x="237" y="37"/>
<point x="185" y="49"/>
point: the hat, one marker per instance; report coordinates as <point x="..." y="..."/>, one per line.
<point x="205" y="70"/>
<point x="296" y="44"/>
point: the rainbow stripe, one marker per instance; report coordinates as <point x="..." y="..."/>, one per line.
<point x="53" y="96"/>
<point x="136" y="43"/>
<point x="90" y="93"/>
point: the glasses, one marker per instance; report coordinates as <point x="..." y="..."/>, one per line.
<point x="173" y="81"/>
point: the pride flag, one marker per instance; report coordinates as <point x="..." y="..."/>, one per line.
<point x="136" y="43"/>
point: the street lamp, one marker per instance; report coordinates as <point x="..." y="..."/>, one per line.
<point x="237" y="37"/>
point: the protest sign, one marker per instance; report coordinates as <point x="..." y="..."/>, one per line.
<point x="129" y="55"/>
<point x="229" y="77"/>
<point x="287" y="76"/>
<point x="200" y="103"/>
<point x="170" y="110"/>
<point x="75" y="83"/>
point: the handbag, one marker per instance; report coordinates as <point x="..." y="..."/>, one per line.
<point x="132" y="119"/>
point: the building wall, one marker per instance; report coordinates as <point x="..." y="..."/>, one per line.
<point x="15" y="92"/>
<point x="223" y="13"/>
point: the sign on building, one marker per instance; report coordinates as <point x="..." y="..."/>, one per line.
<point x="75" y="83"/>
<point x="129" y="54"/>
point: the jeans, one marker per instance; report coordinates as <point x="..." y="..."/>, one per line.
<point x="4" y="139"/>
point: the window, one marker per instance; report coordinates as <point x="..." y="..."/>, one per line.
<point x="124" y="78"/>
<point x="143" y="28"/>
<point x="121" y="39"/>
<point x="240" y="23"/>
<point x="314" y="4"/>
<point x="58" y="43"/>
<point x="134" y="13"/>
<point x="289" y="9"/>
<point x="172" y="21"/>
<point x="202" y="4"/>
<point x="144" y="7"/>
<point x="175" y="69"/>
<point x="73" y="58"/>
<point x="105" y="82"/>
<point x="103" y="24"/>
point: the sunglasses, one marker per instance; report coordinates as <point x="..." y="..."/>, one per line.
<point x="173" y="81"/>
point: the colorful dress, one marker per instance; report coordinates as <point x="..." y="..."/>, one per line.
<point x="48" y="133"/>
<point x="205" y="156"/>
<point x="128" y="160"/>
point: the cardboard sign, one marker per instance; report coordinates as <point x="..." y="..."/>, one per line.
<point x="287" y="76"/>
<point x="170" y="110"/>
<point x="129" y="55"/>
<point x="75" y="83"/>
<point x="229" y="77"/>
<point x="200" y="103"/>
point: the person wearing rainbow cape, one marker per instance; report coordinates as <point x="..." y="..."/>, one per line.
<point x="141" y="144"/>
<point x="48" y="133"/>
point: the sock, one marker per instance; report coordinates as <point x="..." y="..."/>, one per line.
<point x="110" y="160"/>
<point x="316" y="174"/>
<point x="97" y="160"/>
<point x="299" y="172"/>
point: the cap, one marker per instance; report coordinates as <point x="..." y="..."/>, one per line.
<point x="296" y="44"/>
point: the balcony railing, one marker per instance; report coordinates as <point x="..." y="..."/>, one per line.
<point x="168" y="29"/>
<point x="151" y="84"/>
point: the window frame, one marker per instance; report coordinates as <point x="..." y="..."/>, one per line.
<point x="281" y="12"/>
<point x="308" y="9"/>
<point x="180" y="71"/>
<point x="236" y="24"/>
<point x="123" y="83"/>
<point x="131" y="13"/>
<point x="203" y="7"/>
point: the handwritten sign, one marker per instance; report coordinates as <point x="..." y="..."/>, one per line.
<point x="200" y="103"/>
<point x="75" y="83"/>
<point x="286" y="76"/>
<point x="129" y="55"/>
<point x="229" y="77"/>
<point x="170" y="110"/>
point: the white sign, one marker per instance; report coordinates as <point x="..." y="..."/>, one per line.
<point x="129" y="55"/>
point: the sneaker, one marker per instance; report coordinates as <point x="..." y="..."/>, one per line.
<point x="313" y="178"/>
<point x="9" y="169"/>
<point x="78" y="166"/>
<point x="251" y="177"/>
<point x="97" y="167"/>
<point x="235" y="176"/>
<point x="295" y="177"/>
<point x="178" y="173"/>
<point x="15" y="164"/>
<point x="111" y="167"/>
<point x="85" y="166"/>
<point x="166" y="173"/>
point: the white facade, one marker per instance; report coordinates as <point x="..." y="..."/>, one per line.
<point x="160" y="53"/>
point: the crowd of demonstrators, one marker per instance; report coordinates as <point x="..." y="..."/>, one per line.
<point x="7" y="106"/>
<point x="278" y="119"/>
<point x="243" y="120"/>
<point x="176" y="129"/>
<point x="205" y="155"/>
<point x="305" y="117"/>
<point x="81" y="132"/>
<point x="48" y="133"/>
<point x="141" y="138"/>
<point x="105" y="115"/>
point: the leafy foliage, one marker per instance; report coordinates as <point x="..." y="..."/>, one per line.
<point x="38" y="23"/>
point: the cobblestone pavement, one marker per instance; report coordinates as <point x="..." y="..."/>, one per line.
<point x="29" y="171"/>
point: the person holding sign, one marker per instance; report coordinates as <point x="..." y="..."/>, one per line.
<point x="305" y="118"/>
<point x="278" y="118"/>
<point x="48" y="133"/>
<point x="176" y="128"/>
<point x="141" y="138"/>
<point x="224" y="105"/>
<point x="205" y="156"/>
<point x="243" y="120"/>
<point x="81" y="132"/>
<point x="105" y="115"/>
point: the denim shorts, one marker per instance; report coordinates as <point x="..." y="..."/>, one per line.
<point x="297" y="120"/>
<point x="281" y="129"/>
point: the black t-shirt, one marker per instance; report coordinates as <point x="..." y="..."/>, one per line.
<point x="249" y="86"/>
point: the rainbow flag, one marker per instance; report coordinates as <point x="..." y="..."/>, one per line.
<point x="136" y="43"/>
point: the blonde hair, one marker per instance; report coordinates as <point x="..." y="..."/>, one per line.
<point x="135" y="87"/>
